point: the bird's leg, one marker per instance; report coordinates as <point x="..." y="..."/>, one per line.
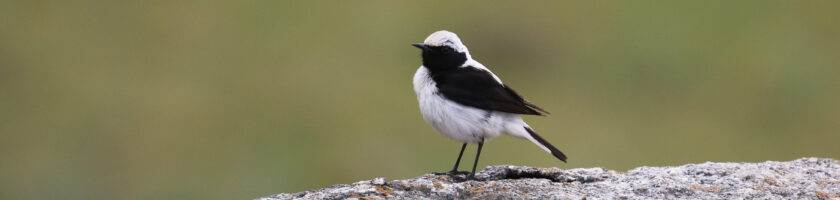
<point x="480" y="144"/>
<point x="455" y="169"/>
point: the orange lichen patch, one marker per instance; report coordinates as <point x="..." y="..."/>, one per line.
<point x="420" y="187"/>
<point x="476" y="191"/>
<point x="695" y="187"/>
<point x="384" y="190"/>
<point x="714" y="188"/>
<point x="760" y="186"/>
<point x="826" y="195"/>
<point x="825" y="184"/>
<point x="771" y="181"/>
<point x="438" y="186"/>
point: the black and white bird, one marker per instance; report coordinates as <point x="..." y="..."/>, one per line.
<point x="466" y="102"/>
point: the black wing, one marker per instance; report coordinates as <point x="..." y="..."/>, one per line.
<point x="477" y="88"/>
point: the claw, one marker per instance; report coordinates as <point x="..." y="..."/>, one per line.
<point x="458" y="176"/>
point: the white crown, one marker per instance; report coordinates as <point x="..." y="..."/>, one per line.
<point x="445" y="38"/>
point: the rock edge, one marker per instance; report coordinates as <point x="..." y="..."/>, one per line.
<point x="804" y="178"/>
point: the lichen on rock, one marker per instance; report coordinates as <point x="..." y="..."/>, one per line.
<point x="805" y="178"/>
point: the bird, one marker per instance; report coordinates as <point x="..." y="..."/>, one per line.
<point x="463" y="100"/>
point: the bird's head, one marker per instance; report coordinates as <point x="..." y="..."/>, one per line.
<point x="442" y="50"/>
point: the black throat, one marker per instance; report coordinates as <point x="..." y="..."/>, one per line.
<point x="443" y="58"/>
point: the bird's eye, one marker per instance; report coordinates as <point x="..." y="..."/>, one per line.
<point x="446" y="50"/>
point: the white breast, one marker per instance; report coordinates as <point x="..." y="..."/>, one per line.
<point x="456" y="121"/>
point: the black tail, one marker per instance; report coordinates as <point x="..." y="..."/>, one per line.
<point x="550" y="147"/>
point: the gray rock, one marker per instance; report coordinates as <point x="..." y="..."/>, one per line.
<point x="805" y="178"/>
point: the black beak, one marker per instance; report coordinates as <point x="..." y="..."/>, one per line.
<point x="421" y="46"/>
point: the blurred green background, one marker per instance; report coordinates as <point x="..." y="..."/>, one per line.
<point x="242" y="99"/>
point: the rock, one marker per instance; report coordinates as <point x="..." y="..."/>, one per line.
<point x="805" y="178"/>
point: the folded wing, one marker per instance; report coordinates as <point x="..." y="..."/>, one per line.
<point x="477" y="88"/>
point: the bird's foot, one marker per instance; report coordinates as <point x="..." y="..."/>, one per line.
<point x="458" y="176"/>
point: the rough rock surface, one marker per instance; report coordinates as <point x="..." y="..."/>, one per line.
<point x="805" y="178"/>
